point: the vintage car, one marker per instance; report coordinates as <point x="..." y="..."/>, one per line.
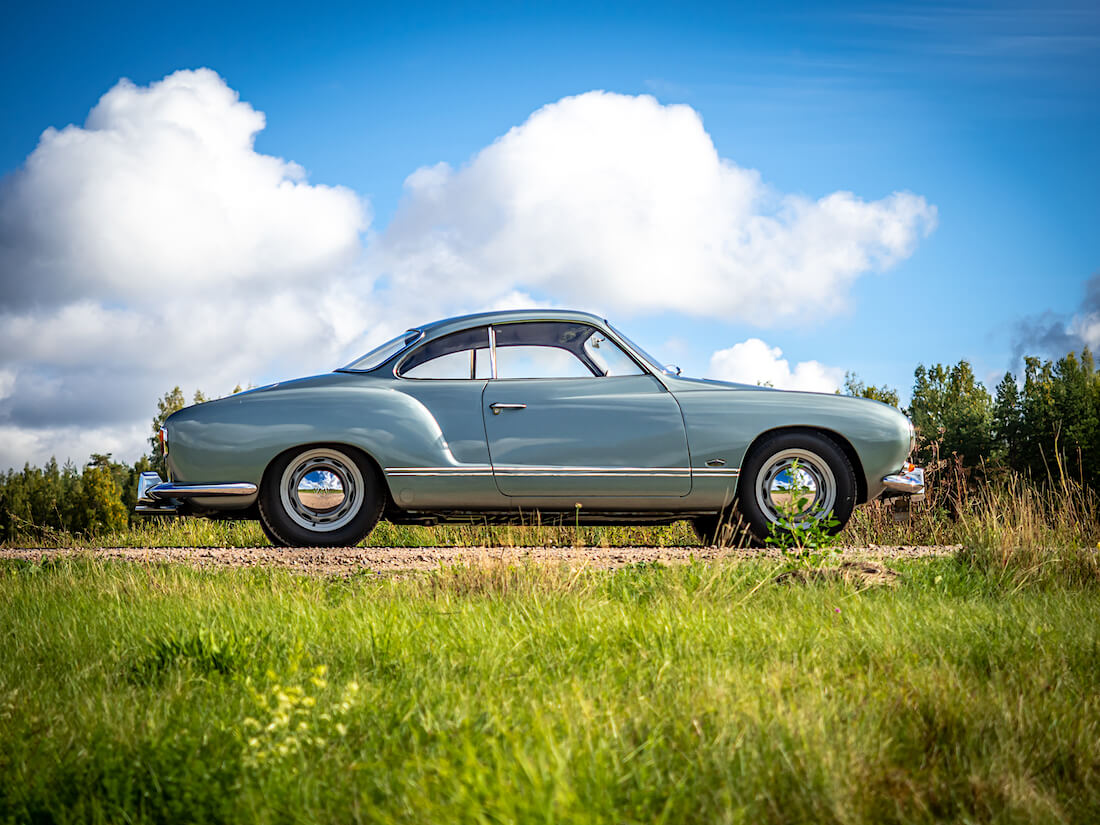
<point x="525" y="415"/>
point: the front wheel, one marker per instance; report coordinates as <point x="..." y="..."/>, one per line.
<point x="322" y="496"/>
<point x="793" y="479"/>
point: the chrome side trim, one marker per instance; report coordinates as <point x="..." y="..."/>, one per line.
<point x="566" y="473"/>
<point x="580" y="472"/>
<point x="439" y="471"/>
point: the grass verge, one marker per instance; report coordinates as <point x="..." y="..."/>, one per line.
<point x="195" y="532"/>
<point x="520" y="693"/>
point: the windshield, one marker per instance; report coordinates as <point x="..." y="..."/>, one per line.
<point x="380" y="355"/>
<point x="641" y="353"/>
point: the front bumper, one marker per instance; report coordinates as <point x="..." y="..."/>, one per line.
<point x="908" y="481"/>
<point x="156" y="497"/>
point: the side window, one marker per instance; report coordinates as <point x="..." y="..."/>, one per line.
<point x="539" y="362"/>
<point x="543" y="349"/>
<point x="532" y="349"/>
<point x="608" y="357"/>
<point x="459" y="355"/>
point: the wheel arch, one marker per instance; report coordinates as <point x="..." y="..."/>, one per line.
<point x="843" y="443"/>
<point x="371" y="461"/>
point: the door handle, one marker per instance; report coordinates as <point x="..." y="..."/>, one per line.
<point x="496" y="407"/>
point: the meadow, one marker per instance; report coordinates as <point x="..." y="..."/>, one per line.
<point x="524" y="692"/>
<point x="705" y="692"/>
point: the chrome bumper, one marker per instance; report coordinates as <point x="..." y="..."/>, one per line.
<point x="158" y="497"/>
<point x="909" y="481"/>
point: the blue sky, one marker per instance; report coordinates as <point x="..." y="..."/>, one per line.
<point x="987" y="111"/>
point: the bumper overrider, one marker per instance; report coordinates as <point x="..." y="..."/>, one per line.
<point x="908" y="481"/>
<point x="164" y="498"/>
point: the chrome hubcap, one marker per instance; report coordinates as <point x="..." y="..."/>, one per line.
<point x="322" y="490"/>
<point x="795" y="487"/>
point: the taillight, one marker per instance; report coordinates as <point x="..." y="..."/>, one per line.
<point x="162" y="436"/>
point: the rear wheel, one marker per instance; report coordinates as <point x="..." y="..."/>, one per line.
<point x="323" y="496"/>
<point x="796" y="478"/>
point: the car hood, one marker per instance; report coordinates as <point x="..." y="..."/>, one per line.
<point x="679" y="384"/>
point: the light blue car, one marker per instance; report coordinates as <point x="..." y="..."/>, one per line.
<point x="501" y="416"/>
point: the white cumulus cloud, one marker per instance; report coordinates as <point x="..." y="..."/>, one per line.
<point x="754" y="362"/>
<point x="610" y="200"/>
<point x="154" y="246"/>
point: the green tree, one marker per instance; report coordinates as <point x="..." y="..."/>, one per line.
<point x="1007" y="421"/>
<point x="1060" y="419"/>
<point x="100" y="507"/>
<point x="856" y="388"/>
<point x="952" y="409"/>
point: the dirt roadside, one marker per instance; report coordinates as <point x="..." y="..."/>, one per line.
<point x="349" y="560"/>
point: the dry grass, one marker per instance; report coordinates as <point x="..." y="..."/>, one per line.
<point x="1033" y="534"/>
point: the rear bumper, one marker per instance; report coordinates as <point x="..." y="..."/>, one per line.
<point x="908" y="481"/>
<point x="158" y="497"/>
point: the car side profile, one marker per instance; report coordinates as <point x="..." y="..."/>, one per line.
<point x="498" y="416"/>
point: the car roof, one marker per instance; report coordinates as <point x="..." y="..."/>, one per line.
<point x="508" y="316"/>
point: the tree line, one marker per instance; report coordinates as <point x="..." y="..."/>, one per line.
<point x="1045" y="427"/>
<point x="96" y="498"/>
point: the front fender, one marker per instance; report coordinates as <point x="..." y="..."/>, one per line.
<point x="723" y="423"/>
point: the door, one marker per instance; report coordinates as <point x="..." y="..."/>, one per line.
<point x="571" y="415"/>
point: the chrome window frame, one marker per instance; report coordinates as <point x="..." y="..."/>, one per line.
<point x="576" y="322"/>
<point x="640" y="356"/>
<point x="406" y="355"/>
<point x="629" y="355"/>
<point x="492" y="352"/>
<point x="607" y="331"/>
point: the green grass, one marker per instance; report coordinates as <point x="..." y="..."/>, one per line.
<point x="701" y="693"/>
<point x="873" y="524"/>
<point x="195" y="532"/>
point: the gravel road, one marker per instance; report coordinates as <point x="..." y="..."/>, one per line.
<point x="348" y="560"/>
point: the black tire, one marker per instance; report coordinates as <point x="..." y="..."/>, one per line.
<point x="271" y="537"/>
<point x="297" y="482"/>
<point x="820" y="465"/>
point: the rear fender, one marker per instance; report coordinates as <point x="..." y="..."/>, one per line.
<point x="235" y="438"/>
